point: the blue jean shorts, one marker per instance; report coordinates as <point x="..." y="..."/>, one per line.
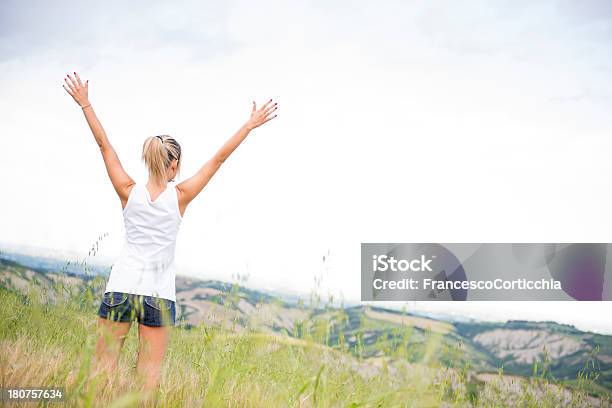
<point x="147" y="310"/>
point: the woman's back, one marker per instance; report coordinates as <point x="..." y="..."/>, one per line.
<point x="146" y="263"/>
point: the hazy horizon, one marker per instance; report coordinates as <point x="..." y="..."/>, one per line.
<point x="455" y="310"/>
<point x="457" y="121"/>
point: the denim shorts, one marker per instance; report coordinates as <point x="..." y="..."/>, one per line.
<point x="147" y="310"/>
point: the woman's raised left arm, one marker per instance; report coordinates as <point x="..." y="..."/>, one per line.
<point x="121" y="181"/>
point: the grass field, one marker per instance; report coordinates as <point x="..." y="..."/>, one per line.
<point x="47" y="339"/>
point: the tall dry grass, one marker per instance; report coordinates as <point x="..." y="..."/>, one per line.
<point x="48" y="335"/>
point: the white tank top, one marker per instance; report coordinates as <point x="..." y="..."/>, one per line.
<point x="146" y="263"/>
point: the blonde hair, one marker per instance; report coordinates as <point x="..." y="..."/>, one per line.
<point x="158" y="152"/>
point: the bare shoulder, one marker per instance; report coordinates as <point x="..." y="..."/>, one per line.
<point x="180" y="191"/>
<point x="182" y="200"/>
<point x="124" y="194"/>
<point x="128" y="187"/>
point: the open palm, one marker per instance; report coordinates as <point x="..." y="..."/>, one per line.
<point x="261" y="115"/>
<point x="77" y="89"/>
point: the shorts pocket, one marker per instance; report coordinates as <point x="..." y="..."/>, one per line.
<point x="158" y="303"/>
<point x="114" y="298"/>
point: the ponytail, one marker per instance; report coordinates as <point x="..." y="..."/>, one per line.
<point x="158" y="152"/>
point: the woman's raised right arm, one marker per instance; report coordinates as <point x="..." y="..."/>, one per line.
<point x="121" y="181"/>
<point x="191" y="187"/>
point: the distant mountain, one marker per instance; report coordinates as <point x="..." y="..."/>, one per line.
<point x="53" y="261"/>
<point x="518" y="347"/>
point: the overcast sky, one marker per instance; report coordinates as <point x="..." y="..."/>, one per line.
<point x="458" y="121"/>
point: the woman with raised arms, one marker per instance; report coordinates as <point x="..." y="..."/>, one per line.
<point x="141" y="285"/>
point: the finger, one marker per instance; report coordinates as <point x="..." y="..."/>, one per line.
<point x="265" y="105"/>
<point x="73" y="81"/>
<point x="78" y="79"/>
<point x="73" y="89"/>
<point x="254" y="107"/>
<point x="263" y="108"/>
<point x="268" y="112"/>
<point x="270" y="109"/>
<point x="87" y="84"/>
<point x="70" y="83"/>
<point x="70" y="93"/>
<point x="270" y="118"/>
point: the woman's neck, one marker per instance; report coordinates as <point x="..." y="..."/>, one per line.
<point x="157" y="184"/>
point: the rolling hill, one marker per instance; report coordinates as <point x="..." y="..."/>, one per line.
<point x="560" y="353"/>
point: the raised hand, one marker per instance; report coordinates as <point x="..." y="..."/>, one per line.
<point x="77" y="90"/>
<point x="261" y="115"/>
